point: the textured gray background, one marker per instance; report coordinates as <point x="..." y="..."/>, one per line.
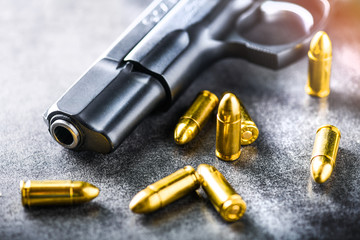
<point x="46" y="45"/>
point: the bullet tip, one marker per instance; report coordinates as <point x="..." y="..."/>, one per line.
<point x="90" y="191"/>
<point x="321" y="169"/>
<point x="229" y="108"/>
<point x="320" y="46"/>
<point x="145" y="201"/>
<point x="185" y="131"/>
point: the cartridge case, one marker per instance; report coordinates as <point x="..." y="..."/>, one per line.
<point x="228" y="128"/>
<point x="223" y="197"/>
<point x="324" y="152"/>
<point x="320" y="56"/>
<point x="195" y="117"/>
<point x="249" y="130"/>
<point x="56" y="192"/>
<point x="165" y="191"/>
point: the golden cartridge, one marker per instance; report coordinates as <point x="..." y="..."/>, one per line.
<point x="320" y="55"/>
<point x="249" y="130"/>
<point x="324" y="153"/>
<point x="165" y="191"/>
<point x="194" y="119"/>
<point x="228" y="128"/>
<point x="223" y="197"/>
<point x="56" y="192"/>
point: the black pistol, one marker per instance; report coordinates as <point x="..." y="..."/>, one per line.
<point x="159" y="57"/>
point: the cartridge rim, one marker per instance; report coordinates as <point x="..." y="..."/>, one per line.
<point x="24" y="193"/>
<point x="210" y="95"/>
<point x="189" y="169"/>
<point x="249" y="127"/>
<point x="233" y="209"/>
<point x="320" y="94"/>
<point x="331" y="127"/>
<point x="228" y="157"/>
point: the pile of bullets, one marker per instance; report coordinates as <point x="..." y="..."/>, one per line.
<point x="234" y="124"/>
<point x="234" y="128"/>
<point x="223" y="197"/>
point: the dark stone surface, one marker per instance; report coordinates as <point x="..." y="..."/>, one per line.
<point x="46" y="45"/>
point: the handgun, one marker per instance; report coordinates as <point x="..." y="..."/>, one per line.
<point x="159" y="56"/>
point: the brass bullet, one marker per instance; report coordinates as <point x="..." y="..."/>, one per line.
<point x="320" y="55"/>
<point x="165" y="191"/>
<point x="223" y="197"/>
<point x="56" y="192"/>
<point x="324" y="152"/>
<point x="195" y="117"/>
<point x="228" y="128"/>
<point x="249" y="130"/>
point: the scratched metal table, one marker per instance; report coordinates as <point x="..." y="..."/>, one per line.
<point x="46" y="45"/>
